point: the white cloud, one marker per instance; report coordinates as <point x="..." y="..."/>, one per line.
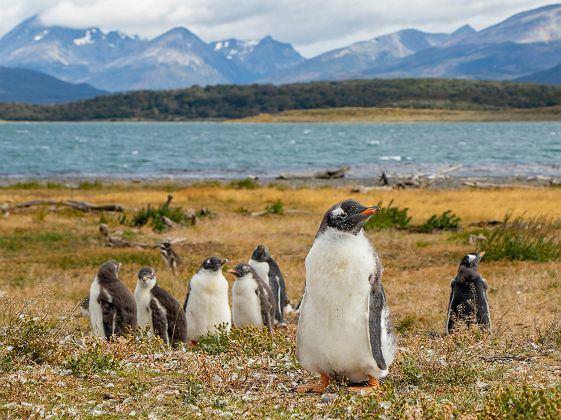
<point x="313" y="26"/>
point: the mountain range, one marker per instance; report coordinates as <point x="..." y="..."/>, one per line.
<point x="522" y="47"/>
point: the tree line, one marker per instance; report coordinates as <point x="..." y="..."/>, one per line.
<point x="237" y="101"/>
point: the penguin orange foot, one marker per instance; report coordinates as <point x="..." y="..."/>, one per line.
<point x="314" y="388"/>
<point x="372" y="386"/>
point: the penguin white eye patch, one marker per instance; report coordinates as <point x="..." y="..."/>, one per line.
<point x="471" y="257"/>
<point x="338" y="212"/>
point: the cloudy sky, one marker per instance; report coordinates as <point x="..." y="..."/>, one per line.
<point x="312" y="26"/>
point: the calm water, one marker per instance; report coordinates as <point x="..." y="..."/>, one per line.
<point x="201" y="150"/>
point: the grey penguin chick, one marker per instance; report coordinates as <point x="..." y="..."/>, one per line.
<point x="253" y="302"/>
<point x="170" y="257"/>
<point x="158" y="310"/>
<point x="344" y="330"/>
<point x="111" y="305"/>
<point x="206" y="305"/>
<point x="468" y="295"/>
<point x="268" y="269"/>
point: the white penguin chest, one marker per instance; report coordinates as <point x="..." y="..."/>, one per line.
<point x="96" y="313"/>
<point x="143" y="297"/>
<point x="208" y="304"/>
<point x="333" y="333"/>
<point x="262" y="269"/>
<point x="246" y="306"/>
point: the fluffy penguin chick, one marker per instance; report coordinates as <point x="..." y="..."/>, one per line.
<point x="158" y="310"/>
<point x="252" y="299"/>
<point x="468" y="295"/>
<point x="267" y="268"/>
<point x="170" y="257"/>
<point x="206" y="305"/>
<point x="344" y="330"/>
<point x="111" y="305"/>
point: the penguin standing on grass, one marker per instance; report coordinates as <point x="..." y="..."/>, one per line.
<point x="206" y="305"/>
<point x="252" y="299"/>
<point x="170" y="257"/>
<point x="468" y="296"/>
<point x="267" y="268"/>
<point x="344" y="330"/>
<point x="111" y="305"/>
<point x="159" y="310"/>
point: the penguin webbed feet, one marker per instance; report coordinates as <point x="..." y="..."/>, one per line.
<point x="314" y="388"/>
<point x="370" y="387"/>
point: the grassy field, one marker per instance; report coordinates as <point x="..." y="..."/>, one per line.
<point x="50" y="365"/>
<point x="405" y="115"/>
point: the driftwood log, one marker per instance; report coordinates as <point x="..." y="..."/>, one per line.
<point x="78" y="205"/>
<point x="327" y="174"/>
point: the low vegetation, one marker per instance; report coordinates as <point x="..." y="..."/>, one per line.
<point x="445" y="221"/>
<point x="389" y="217"/>
<point x="519" y="238"/>
<point x="50" y="365"/>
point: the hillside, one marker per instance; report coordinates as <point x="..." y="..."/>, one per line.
<point x="231" y="101"/>
<point x="22" y="85"/>
<point x="550" y="76"/>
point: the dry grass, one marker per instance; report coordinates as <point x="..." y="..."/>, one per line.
<point x="56" y="254"/>
<point x="405" y="115"/>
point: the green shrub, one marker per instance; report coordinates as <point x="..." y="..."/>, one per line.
<point x="155" y="216"/>
<point x="276" y="207"/>
<point x="93" y="361"/>
<point x="214" y="343"/>
<point x="528" y="403"/>
<point x="389" y="218"/>
<point x="535" y="239"/>
<point x="446" y="221"/>
<point x="30" y="340"/>
<point x="244" y="184"/>
<point x="251" y="341"/>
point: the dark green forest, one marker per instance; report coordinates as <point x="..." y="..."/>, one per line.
<point x="236" y="101"/>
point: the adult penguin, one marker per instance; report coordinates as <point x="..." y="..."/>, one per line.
<point x="344" y="330"/>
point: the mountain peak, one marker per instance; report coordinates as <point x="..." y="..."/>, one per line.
<point x="464" y="30"/>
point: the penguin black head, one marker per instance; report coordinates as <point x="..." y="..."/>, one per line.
<point x="347" y="216"/>
<point x="109" y="270"/>
<point x="213" y="264"/>
<point x="241" y="270"/>
<point x="147" y="275"/>
<point x="472" y="260"/>
<point x="261" y="254"/>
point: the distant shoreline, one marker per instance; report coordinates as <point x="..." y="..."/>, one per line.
<point x="405" y="115"/>
<point x="357" y="115"/>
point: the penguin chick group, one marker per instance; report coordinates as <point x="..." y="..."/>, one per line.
<point x="344" y="328"/>
<point x="113" y="310"/>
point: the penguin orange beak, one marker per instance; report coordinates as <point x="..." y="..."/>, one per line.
<point x="481" y="254"/>
<point x="369" y="211"/>
<point x="231" y="271"/>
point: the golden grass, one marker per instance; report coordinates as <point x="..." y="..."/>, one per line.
<point x="358" y="114"/>
<point x="57" y="253"/>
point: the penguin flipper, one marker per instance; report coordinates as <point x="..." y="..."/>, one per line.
<point x="109" y="314"/>
<point x="449" y="319"/>
<point x="376" y="304"/>
<point x="267" y="304"/>
<point x="159" y="321"/>
<point x="187" y="297"/>
<point x="175" y="316"/>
